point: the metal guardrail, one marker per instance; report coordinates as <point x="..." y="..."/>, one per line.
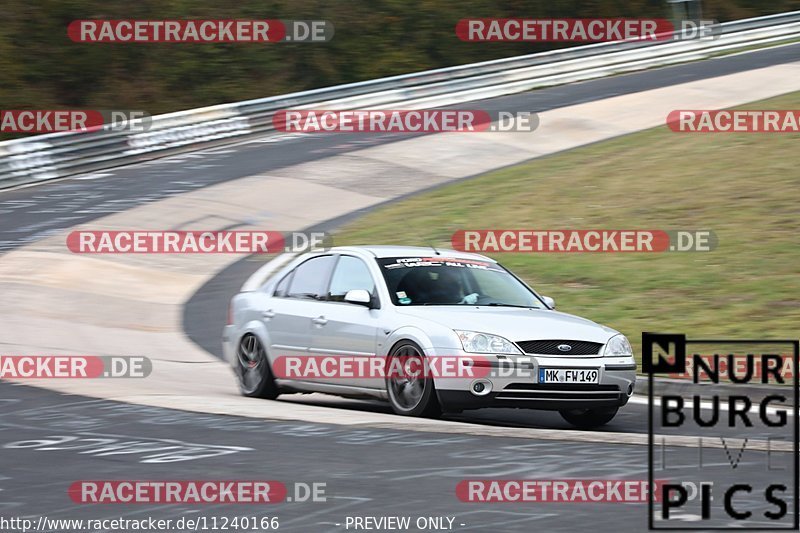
<point x="56" y="155"/>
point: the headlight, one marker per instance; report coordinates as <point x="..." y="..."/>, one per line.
<point x="475" y="342"/>
<point x="618" y="345"/>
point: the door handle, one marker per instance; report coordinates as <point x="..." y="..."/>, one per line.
<point x="320" y="320"/>
<point x="269" y="313"/>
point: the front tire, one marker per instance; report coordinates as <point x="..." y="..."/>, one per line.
<point x="253" y="370"/>
<point x="408" y="395"/>
<point x="589" y="418"/>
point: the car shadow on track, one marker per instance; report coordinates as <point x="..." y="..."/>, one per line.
<point x="629" y="420"/>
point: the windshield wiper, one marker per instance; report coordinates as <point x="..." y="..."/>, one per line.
<point x="498" y="304"/>
<point x="493" y="304"/>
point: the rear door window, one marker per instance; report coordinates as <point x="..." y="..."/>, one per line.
<point x="310" y="279"/>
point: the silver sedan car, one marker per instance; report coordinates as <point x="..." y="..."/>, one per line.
<point x="339" y="309"/>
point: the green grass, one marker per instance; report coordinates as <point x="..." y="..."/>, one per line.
<point x="742" y="186"/>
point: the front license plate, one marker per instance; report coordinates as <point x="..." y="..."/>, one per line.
<point x="569" y="375"/>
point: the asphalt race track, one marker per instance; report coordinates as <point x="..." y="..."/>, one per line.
<point x="416" y="472"/>
<point x="342" y="457"/>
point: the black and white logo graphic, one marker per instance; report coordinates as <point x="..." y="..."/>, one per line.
<point x="723" y="439"/>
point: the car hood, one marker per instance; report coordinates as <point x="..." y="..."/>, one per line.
<point x="515" y="324"/>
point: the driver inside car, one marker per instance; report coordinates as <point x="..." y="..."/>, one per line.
<point x="445" y="288"/>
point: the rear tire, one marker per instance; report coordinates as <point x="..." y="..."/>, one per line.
<point x="412" y="396"/>
<point x="253" y="370"/>
<point x="589" y="418"/>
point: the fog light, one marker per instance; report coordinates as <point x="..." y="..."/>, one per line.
<point x="481" y="387"/>
<point x="630" y="389"/>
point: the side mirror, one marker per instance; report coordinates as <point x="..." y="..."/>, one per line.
<point x="549" y="301"/>
<point x="359" y="297"/>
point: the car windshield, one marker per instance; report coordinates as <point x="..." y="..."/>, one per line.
<point x="452" y="281"/>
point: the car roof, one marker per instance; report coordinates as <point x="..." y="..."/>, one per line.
<point x="410" y="251"/>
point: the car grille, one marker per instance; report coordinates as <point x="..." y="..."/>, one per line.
<point x="554" y="391"/>
<point x="550" y="347"/>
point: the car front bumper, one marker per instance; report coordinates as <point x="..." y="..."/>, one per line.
<point x="513" y="381"/>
